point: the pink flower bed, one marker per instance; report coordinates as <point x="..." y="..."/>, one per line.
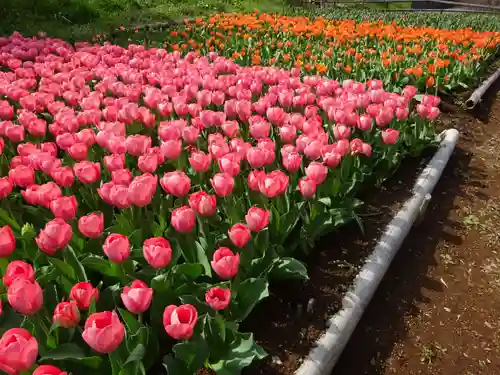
<point x="147" y="198"/>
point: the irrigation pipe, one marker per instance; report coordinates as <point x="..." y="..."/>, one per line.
<point x="481" y="90"/>
<point x="329" y="346"/>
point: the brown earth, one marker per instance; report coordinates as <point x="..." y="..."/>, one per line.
<point x="437" y="310"/>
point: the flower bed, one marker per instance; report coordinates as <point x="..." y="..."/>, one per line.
<point x="428" y="57"/>
<point x="148" y="199"/>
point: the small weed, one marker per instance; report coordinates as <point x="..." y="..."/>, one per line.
<point x="430" y="352"/>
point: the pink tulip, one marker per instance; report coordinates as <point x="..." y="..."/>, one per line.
<point x="78" y="151"/>
<point x="433" y="113"/>
<point x="64" y="207"/>
<point x="202" y="203"/>
<point x="313" y="149"/>
<point x="121" y="177"/>
<point x="87" y="172"/>
<point x="7" y="241"/>
<point x="116" y="247"/>
<point x="223" y="184"/>
<point x="142" y="189"/>
<point x="218" y="149"/>
<point x="176" y="183"/>
<point x="137" y="297"/>
<point x="56" y="235"/>
<point x="91" y="225"/>
<point x="63" y="176"/>
<point x="390" y="136"/>
<point x="422" y="110"/>
<point x="239" y="234"/>
<point x="230" y="164"/>
<point x="260" y="129"/>
<point x="273" y="184"/>
<point x="157" y="252"/>
<point x="137" y="144"/>
<point x="66" y="314"/>
<point x="48" y="370"/>
<point x="119" y="196"/>
<point x="183" y="219"/>
<point x="257" y="219"/>
<point x="254" y="178"/>
<point x="256" y="157"/>
<point x="401" y="113"/>
<point x="331" y="158"/>
<point x="317" y="171"/>
<point x="104" y="332"/>
<point x="357" y="146"/>
<point x="25" y="296"/>
<point x="225" y="263"/>
<point x="218" y="298"/>
<point x="179" y="321"/>
<point x="171" y="150"/>
<point x="83" y="293"/>
<point x="22" y="176"/>
<point x="200" y="161"/>
<point x="230" y="128"/>
<point x="6" y="187"/>
<point x="18" y="351"/>
<point x="307" y="187"/>
<point x="46" y="194"/>
<point x="190" y="134"/>
<point x="114" y="162"/>
<point x="288" y="133"/>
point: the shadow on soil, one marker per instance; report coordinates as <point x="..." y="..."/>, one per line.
<point x="399" y="293"/>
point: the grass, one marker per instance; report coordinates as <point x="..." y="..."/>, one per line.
<point x="81" y="19"/>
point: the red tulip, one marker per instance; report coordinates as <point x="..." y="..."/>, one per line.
<point x="48" y="370"/>
<point x="225" y="263"/>
<point x="176" y="183"/>
<point x="66" y="314"/>
<point x="137" y="297"/>
<point x="218" y="298"/>
<point x="7" y="241"/>
<point x="257" y="218"/>
<point x="56" y="235"/>
<point x="25" y="296"/>
<point x="64" y="207"/>
<point x="183" y="219"/>
<point x="202" y="203"/>
<point x="104" y="331"/>
<point x="239" y="234"/>
<point x="83" y="293"/>
<point x="117" y="247"/>
<point x="179" y="321"/>
<point x="157" y="252"/>
<point x="18" y="351"/>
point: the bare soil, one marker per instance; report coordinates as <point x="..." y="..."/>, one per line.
<point x="437" y="310"/>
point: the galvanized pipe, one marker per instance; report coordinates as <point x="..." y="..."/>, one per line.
<point x="481" y="90"/>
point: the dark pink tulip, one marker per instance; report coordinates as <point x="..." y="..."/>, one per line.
<point x="257" y="219"/>
<point x="137" y="297"/>
<point x="202" y="203"/>
<point x="218" y="298"/>
<point x="230" y="164"/>
<point x="273" y="184"/>
<point x="64" y="207"/>
<point x="91" y="225"/>
<point x="142" y="189"/>
<point x="433" y="113"/>
<point x="78" y="151"/>
<point x="179" y="321"/>
<point x="22" y="176"/>
<point x="239" y="234"/>
<point x="25" y="296"/>
<point x="365" y="123"/>
<point x="103" y="332"/>
<point x="63" y="176"/>
<point x="137" y="144"/>
<point x="401" y="113"/>
<point x="19" y="351"/>
<point x="157" y="252"/>
<point x="171" y="150"/>
<point x="117" y="247"/>
<point x="292" y="161"/>
<point x="254" y="178"/>
<point x="6" y="187"/>
<point x="7" y="241"/>
<point x="121" y="177"/>
<point x="56" y="235"/>
<point x="83" y="293"/>
<point x="87" y="172"/>
<point x="114" y="162"/>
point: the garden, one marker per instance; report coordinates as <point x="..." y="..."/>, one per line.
<point x="159" y="182"/>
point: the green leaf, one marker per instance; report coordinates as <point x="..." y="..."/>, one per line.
<point x="136" y="355"/>
<point x="131" y="322"/>
<point x="249" y="293"/>
<point x="242" y="352"/>
<point x="160" y="283"/>
<point x="201" y="255"/>
<point x="201" y="307"/>
<point x="99" y="264"/>
<point x="63" y="352"/>
<point x="46" y="274"/>
<point x="65" y="268"/>
<point x="190" y="270"/>
<point x="193" y="353"/>
<point x="289" y="268"/>
<point x="7" y="219"/>
<point x="174" y="366"/>
<point x="28" y="232"/>
<point x="71" y="258"/>
<point x="261" y="266"/>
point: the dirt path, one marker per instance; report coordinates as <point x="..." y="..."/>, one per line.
<point x="438" y="309"/>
